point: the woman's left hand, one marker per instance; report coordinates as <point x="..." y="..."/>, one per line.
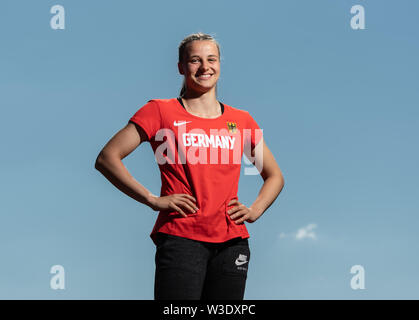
<point x="241" y="213"/>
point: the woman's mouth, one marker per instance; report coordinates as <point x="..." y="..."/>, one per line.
<point x="205" y="76"/>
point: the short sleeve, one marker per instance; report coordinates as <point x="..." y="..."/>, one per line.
<point x="256" y="132"/>
<point x="148" y="117"/>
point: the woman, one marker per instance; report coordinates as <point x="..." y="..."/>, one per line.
<point x="202" y="249"/>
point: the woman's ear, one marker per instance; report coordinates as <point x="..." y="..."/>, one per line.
<point x="180" y="67"/>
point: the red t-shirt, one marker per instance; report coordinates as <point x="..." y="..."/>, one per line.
<point x="200" y="157"/>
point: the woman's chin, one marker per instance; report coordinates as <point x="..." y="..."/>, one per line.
<point x="205" y="85"/>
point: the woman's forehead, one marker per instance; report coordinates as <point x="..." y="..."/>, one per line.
<point x="201" y="46"/>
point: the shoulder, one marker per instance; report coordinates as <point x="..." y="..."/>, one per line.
<point x="163" y="102"/>
<point x="237" y="111"/>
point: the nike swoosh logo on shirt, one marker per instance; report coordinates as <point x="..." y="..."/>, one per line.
<point x="180" y="123"/>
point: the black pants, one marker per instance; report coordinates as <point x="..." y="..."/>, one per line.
<point x="195" y="270"/>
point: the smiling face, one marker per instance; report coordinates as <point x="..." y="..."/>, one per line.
<point x="200" y="65"/>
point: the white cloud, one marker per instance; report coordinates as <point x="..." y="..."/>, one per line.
<point x="306" y="232"/>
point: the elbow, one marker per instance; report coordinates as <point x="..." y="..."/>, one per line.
<point x="98" y="163"/>
<point x="100" y="160"/>
<point x="282" y="183"/>
<point x="273" y="175"/>
<point x="104" y="159"/>
<point x="281" y="178"/>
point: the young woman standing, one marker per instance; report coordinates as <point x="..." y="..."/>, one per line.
<point x="202" y="249"/>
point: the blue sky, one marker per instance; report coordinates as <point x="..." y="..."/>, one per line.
<point x="339" y="110"/>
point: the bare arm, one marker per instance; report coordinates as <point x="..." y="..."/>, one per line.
<point x="273" y="181"/>
<point x="109" y="163"/>
<point x="265" y="162"/>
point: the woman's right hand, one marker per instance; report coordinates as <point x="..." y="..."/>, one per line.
<point x="177" y="202"/>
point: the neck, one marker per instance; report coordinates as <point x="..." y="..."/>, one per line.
<point x="202" y="104"/>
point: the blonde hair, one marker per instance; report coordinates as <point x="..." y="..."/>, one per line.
<point x="192" y="37"/>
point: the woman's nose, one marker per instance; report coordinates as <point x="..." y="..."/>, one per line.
<point x="205" y="65"/>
